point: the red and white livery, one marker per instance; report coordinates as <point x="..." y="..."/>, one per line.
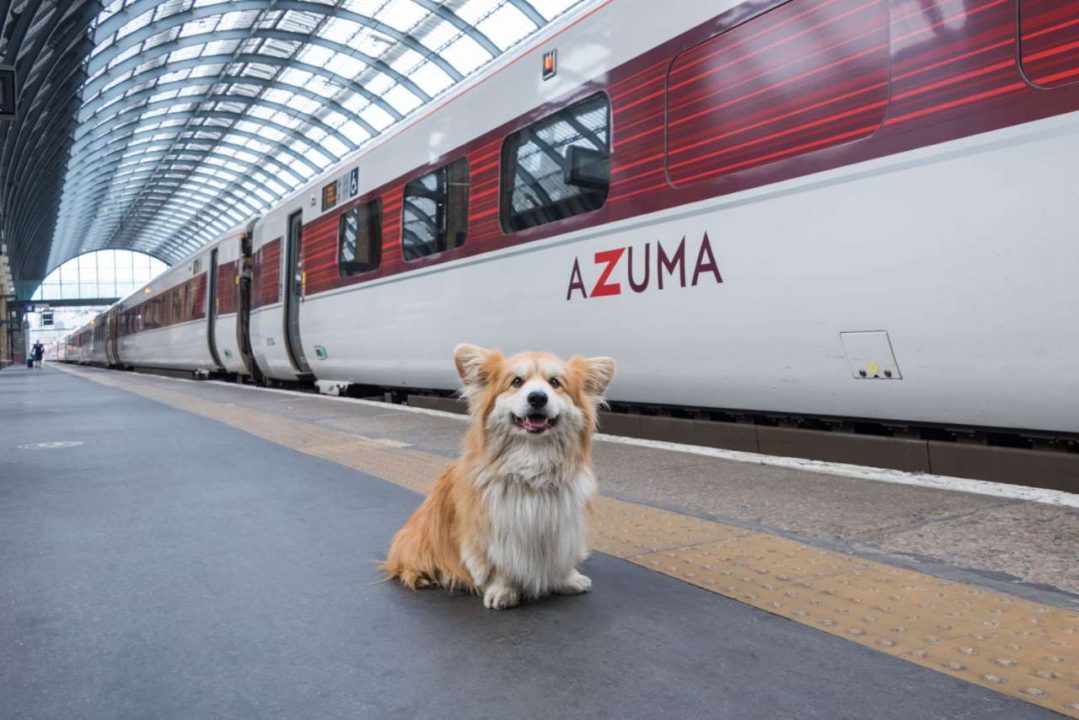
<point x="829" y="208"/>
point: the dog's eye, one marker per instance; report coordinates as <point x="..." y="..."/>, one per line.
<point x="555" y="383"/>
<point x="517" y="381"/>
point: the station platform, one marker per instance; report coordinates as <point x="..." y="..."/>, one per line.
<point x="193" y="549"/>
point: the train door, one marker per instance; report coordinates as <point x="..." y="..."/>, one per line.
<point x="111" y="352"/>
<point x="243" y="314"/>
<point x="293" y="290"/>
<point x="211" y="311"/>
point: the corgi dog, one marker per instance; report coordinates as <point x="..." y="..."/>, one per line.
<point x="509" y="519"/>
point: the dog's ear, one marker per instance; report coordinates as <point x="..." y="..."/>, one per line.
<point x="596" y="374"/>
<point x="475" y="365"/>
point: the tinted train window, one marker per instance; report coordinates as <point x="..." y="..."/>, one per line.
<point x="191" y="294"/>
<point x="177" y="306"/>
<point x="557" y="167"/>
<point x="436" y="211"/>
<point x="360" y="239"/>
<point x="799" y="78"/>
<point x="1049" y="34"/>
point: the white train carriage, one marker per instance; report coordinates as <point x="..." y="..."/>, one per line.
<point x="191" y="317"/>
<point x="820" y="209"/>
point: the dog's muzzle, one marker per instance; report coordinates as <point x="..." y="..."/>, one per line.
<point x="535" y="423"/>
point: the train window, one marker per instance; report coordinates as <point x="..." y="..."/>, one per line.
<point x="799" y="78"/>
<point x="359" y="246"/>
<point x="436" y="211"/>
<point x="177" y="306"/>
<point x="557" y="167"/>
<point x="1049" y="34"/>
<point x="190" y="298"/>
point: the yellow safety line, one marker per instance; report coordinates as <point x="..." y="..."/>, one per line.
<point x="1014" y="646"/>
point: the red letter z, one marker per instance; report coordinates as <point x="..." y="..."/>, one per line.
<point x="611" y="257"/>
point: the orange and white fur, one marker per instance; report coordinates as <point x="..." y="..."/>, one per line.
<point x="509" y="520"/>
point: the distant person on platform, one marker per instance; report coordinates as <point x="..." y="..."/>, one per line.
<point x="39" y="353"/>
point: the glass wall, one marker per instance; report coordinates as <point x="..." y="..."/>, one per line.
<point x="100" y="274"/>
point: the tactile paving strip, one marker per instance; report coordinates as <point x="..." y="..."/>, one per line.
<point x="1011" y="645"/>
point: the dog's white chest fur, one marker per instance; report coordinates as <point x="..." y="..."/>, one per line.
<point x="538" y="528"/>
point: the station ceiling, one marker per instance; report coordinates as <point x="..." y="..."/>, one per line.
<point x="155" y="125"/>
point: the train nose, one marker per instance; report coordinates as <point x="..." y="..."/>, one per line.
<point x="537" y="399"/>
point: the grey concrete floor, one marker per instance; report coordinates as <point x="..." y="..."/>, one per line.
<point x="170" y="566"/>
<point x="1020" y="547"/>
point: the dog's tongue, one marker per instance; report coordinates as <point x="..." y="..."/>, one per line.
<point x="533" y="423"/>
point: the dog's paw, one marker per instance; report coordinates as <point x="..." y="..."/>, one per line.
<point x="500" y="597"/>
<point x="575" y="584"/>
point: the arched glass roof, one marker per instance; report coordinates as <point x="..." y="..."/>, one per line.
<point x="197" y="113"/>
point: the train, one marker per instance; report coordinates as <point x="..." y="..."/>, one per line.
<point x="839" y="210"/>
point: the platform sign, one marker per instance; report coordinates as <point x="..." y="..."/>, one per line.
<point x="7" y="91"/>
<point x="354" y="182"/>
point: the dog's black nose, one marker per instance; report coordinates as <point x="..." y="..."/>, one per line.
<point x="537" y="399"/>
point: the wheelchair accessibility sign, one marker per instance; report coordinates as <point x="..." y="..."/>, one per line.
<point x="354" y="182"/>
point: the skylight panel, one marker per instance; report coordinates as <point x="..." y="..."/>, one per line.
<point x="129" y="53"/>
<point x="335" y="147"/>
<point x="175" y="76"/>
<point x="285" y="120"/>
<point x="276" y="187"/>
<point x="373" y="43"/>
<point x="190" y="90"/>
<point x="160" y="38"/>
<point x="431" y="78"/>
<point x="296" y="21"/>
<point x="506" y="26"/>
<point x="465" y="54"/>
<point x="345" y="65"/>
<point x="376" y="117"/>
<point x="472" y="11"/>
<point x="206" y="70"/>
<point x="134" y="25"/>
<point x="242" y="19"/>
<point x="354" y="132"/>
<point x="151" y="64"/>
<point x="339" y="30"/>
<point x="277" y="95"/>
<point x="292" y="76"/>
<point x="439" y="35"/>
<point x="355" y="103"/>
<point x="163" y="95"/>
<point x="551" y="9"/>
<point x="311" y="154"/>
<point x="405" y="61"/>
<point x="261" y="129"/>
<point x="239" y="89"/>
<point x="305" y="105"/>
<point x="260" y="70"/>
<point x="379" y="84"/>
<point x="402" y="100"/>
<point x="322" y="87"/>
<point x="316" y="55"/>
<point x="186" y="53"/>
<point x="276" y="47"/>
<point x="201" y="26"/>
<point x="401" y="15"/>
<point x="364" y="7"/>
<point x="220" y="47"/>
<point x="231" y="106"/>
